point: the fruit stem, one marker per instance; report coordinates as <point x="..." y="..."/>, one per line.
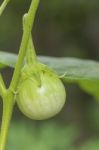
<point x="31" y="54"/>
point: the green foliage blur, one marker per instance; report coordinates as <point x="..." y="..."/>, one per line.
<point x="62" y="28"/>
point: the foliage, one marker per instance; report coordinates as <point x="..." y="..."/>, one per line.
<point x="72" y="70"/>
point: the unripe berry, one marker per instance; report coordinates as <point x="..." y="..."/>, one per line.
<point x="41" y="95"/>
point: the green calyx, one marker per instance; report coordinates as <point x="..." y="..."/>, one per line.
<point x="34" y="72"/>
<point x="31" y="72"/>
<point x="33" y="68"/>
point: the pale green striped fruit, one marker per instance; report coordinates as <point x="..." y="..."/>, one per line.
<point x="41" y="101"/>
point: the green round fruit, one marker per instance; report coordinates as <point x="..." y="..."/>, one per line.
<point x="44" y="100"/>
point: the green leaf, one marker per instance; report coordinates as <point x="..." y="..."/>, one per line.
<point x="7" y="59"/>
<point x="91" y="87"/>
<point x="74" y="70"/>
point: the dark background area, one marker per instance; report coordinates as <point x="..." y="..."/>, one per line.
<point x="62" y="28"/>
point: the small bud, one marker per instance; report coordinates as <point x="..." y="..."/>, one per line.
<point x="41" y="94"/>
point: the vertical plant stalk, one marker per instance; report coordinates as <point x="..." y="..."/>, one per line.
<point x="8" y="99"/>
<point x="27" y="27"/>
<point x="2" y="86"/>
<point x="8" y="104"/>
<point x="3" y="6"/>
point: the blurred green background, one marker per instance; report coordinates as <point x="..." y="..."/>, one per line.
<point x="62" y="28"/>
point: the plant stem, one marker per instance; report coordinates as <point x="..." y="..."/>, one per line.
<point x="3" y="6"/>
<point x="8" y="104"/>
<point x="8" y="100"/>
<point x="2" y="86"/>
<point x="29" y="20"/>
